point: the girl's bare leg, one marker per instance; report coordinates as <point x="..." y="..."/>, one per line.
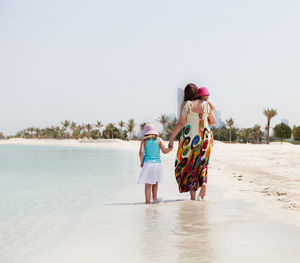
<point x="202" y="193"/>
<point x="193" y="194"/>
<point x="147" y="193"/>
<point x="154" y="191"/>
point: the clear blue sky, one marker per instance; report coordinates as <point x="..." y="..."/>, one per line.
<point x="114" y="60"/>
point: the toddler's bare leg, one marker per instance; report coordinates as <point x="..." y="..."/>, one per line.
<point x="147" y="193"/>
<point x="154" y="191"/>
<point x="193" y="194"/>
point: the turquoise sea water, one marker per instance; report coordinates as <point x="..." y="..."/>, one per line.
<point x="45" y="191"/>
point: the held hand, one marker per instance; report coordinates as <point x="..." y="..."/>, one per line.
<point x="142" y="164"/>
<point x="170" y="145"/>
<point x="169" y="149"/>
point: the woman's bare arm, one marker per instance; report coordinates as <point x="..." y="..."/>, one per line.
<point x="179" y="124"/>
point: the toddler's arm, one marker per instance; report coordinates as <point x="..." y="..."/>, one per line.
<point x="212" y="138"/>
<point x="142" y="153"/>
<point x="212" y="107"/>
<point x="162" y="146"/>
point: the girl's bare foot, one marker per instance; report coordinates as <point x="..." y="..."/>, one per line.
<point x="202" y="193"/>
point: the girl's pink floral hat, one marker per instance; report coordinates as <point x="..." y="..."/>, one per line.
<point x="203" y="91"/>
<point x="149" y="129"/>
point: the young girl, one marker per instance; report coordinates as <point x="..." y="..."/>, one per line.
<point x="204" y="95"/>
<point x="149" y="154"/>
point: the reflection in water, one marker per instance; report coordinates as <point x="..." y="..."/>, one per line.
<point x="151" y="233"/>
<point x="194" y="231"/>
<point x="176" y="232"/>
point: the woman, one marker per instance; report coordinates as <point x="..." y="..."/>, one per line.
<point x="195" y="143"/>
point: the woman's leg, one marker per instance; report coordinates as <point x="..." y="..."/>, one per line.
<point x="154" y="191"/>
<point x="193" y="194"/>
<point x="147" y="193"/>
<point x="202" y="193"/>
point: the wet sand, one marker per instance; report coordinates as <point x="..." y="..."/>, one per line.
<point x="220" y="229"/>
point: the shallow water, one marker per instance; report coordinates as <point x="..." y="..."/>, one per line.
<point x="64" y="204"/>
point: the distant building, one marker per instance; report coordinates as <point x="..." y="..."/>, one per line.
<point x="219" y="122"/>
<point x="180" y="96"/>
<point x="285" y="121"/>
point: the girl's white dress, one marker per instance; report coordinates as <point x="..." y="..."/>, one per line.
<point x="151" y="173"/>
<point x="152" y="168"/>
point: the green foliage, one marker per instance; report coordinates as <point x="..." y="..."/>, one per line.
<point x="296" y="132"/>
<point x="246" y="135"/>
<point x="1" y="135"/>
<point x="223" y="134"/>
<point x="257" y="133"/>
<point x="282" y="131"/>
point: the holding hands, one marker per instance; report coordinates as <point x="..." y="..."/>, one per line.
<point x="171" y="143"/>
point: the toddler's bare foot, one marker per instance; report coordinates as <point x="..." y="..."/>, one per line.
<point x="202" y="193"/>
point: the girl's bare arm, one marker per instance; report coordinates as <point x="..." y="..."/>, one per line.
<point x="142" y="153"/>
<point x="162" y="146"/>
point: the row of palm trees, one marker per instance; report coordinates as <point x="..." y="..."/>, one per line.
<point x="124" y="130"/>
<point x="70" y="129"/>
<point x="253" y="134"/>
<point x="73" y="130"/>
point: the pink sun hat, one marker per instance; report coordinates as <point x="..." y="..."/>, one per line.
<point x="203" y="91"/>
<point x="149" y="129"/>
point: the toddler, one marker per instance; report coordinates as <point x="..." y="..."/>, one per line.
<point x="204" y="95"/>
<point x="149" y="153"/>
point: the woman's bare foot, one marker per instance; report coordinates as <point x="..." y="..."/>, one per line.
<point x="193" y="194"/>
<point x="202" y="193"/>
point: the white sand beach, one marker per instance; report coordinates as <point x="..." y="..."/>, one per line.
<point x="251" y="214"/>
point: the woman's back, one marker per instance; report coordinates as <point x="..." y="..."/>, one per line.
<point x="196" y="110"/>
<point x="197" y="106"/>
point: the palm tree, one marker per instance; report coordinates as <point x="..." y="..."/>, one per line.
<point x="37" y="131"/>
<point x="230" y="123"/>
<point x="65" y="125"/>
<point x="246" y="134"/>
<point x="269" y="113"/>
<point x="170" y="127"/>
<point x="110" y="127"/>
<point x="122" y="125"/>
<point x="99" y="125"/>
<point x="130" y="127"/>
<point x="73" y="127"/>
<point x="142" y="126"/>
<point x="163" y="120"/>
<point x="89" y="127"/>
<point x="257" y="131"/>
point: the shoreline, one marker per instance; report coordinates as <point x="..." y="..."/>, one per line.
<point x="266" y="175"/>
